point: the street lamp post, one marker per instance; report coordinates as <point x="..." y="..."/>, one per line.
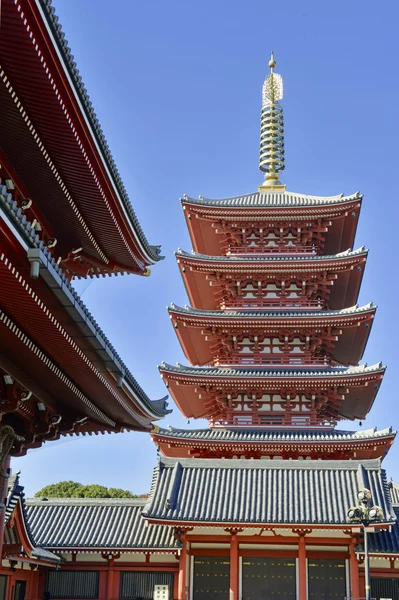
<point x="365" y="514"/>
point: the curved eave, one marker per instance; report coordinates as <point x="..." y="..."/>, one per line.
<point x="75" y="345"/>
<point x="340" y="212"/>
<point x="69" y="64"/>
<point x="283" y="199"/>
<point x="199" y="332"/>
<point x="253" y="261"/>
<point x="193" y="388"/>
<point x="205" y="276"/>
<point x="80" y="175"/>
<point x="254" y="317"/>
<point x="173" y="445"/>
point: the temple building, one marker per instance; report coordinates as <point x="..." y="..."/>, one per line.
<point x="64" y="213"/>
<point x="254" y="506"/>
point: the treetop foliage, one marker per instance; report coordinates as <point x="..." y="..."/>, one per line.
<point x="73" y="489"/>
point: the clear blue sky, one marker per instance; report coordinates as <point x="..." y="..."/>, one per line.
<point x="176" y="86"/>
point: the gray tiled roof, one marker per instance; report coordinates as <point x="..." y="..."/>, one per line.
<point x="394" y="491"/>
<point x="95" y="523"/>
<point x="248" y="491"/>
<point x="16" y="496"/>
<point x="272" y="199"/>
<point x="248" y="435"/>
<point x="68" y="58"/>
<point x="246" y="314"/>
<point x="268" y="258"/>
<point x="269" y="373"/>
<point x="104" y="346"/>
<point x="383" y="541"/>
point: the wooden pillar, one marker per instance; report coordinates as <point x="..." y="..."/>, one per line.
<point x="110" y="581"/>
<point x="176" y="585"/>
<point x="234" y="583"/>
<point x="302" y="570"/>
<point x="35" y="584"/>
<point x="182" y="568"/>
<point x="355" y="579"/>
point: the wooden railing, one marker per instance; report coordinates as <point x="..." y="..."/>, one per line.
<point x="275" y="249"/>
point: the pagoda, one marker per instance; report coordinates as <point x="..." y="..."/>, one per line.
<point x="274" y="338"/>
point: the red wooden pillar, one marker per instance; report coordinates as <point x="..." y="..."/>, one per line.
<point x="234" y="591"/>
<point x="355" y="579"/>
<point x="302" y="570"/>
<point x="35" y="584"/>
<point x="110" y="581"/>
<point x="176" y="585"/>
<point x="182" y="568"/>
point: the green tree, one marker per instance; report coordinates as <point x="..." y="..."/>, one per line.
<point x="73" y="489"/>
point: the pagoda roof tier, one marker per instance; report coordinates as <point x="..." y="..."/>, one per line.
<point x="61" y="359"/>
<point x="201" y="332"/>
<point x="338" y="214"/>
<point x="55" y="149"/>
<point x="204" y="275"/>
<point x="224" y="442"/>
<point x="263" y="492"/>
<point x="201" y="392"/>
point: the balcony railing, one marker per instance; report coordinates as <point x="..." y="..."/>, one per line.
<point x="256" y="419"/>
<point x="280" y="303"/>
<point x="265" y="360"/>
<point x="275" y="249"/>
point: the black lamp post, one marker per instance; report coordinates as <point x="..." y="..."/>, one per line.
<point x="365" y="514"/>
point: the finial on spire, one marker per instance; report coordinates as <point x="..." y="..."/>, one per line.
<point x="271" y="159"/>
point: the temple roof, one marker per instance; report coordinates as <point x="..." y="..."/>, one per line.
<point x="247" y="435"/>
<point x="394" y="491"/>
<point x="57" y="152"/>
<point x="384" y="541"/>
<point x="273" y="199"/>
<point x="68" y="59"/>
<point x="249" y="492"/>
<point x="87" y="333"/>
<point x="245" y="315"/>
<point x="16" y="498"/>
<point x="225" y="372"/>
<point x="272" y="258"/>
<point x="96" y="523"/>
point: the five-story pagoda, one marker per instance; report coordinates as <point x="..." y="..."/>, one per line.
<point x="277" y="337"/>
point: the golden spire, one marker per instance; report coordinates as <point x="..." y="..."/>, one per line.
<point x="271" y="157"/>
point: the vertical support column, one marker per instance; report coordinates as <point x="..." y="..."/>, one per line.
<point x="302" y="570"/>
<point x="182" y="568"/>
<point x="35" y="583"/>
<point x="234" y="591"/>
<point x="354" y="564"/>
<point x="110" y="580"/>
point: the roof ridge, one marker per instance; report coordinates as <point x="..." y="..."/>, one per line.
<point x="298" y="313"/>
<point x="271" y="258"/>
<point x="272" y="198"/>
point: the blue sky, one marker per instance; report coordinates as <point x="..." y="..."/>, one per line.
<point x="177" y="88"/>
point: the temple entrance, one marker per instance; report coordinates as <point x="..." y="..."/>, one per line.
<point x="326" y="579"/>
<point x="211" y="578"/>
<point x="264" y="578"/>
<point x="384" y="587"/>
